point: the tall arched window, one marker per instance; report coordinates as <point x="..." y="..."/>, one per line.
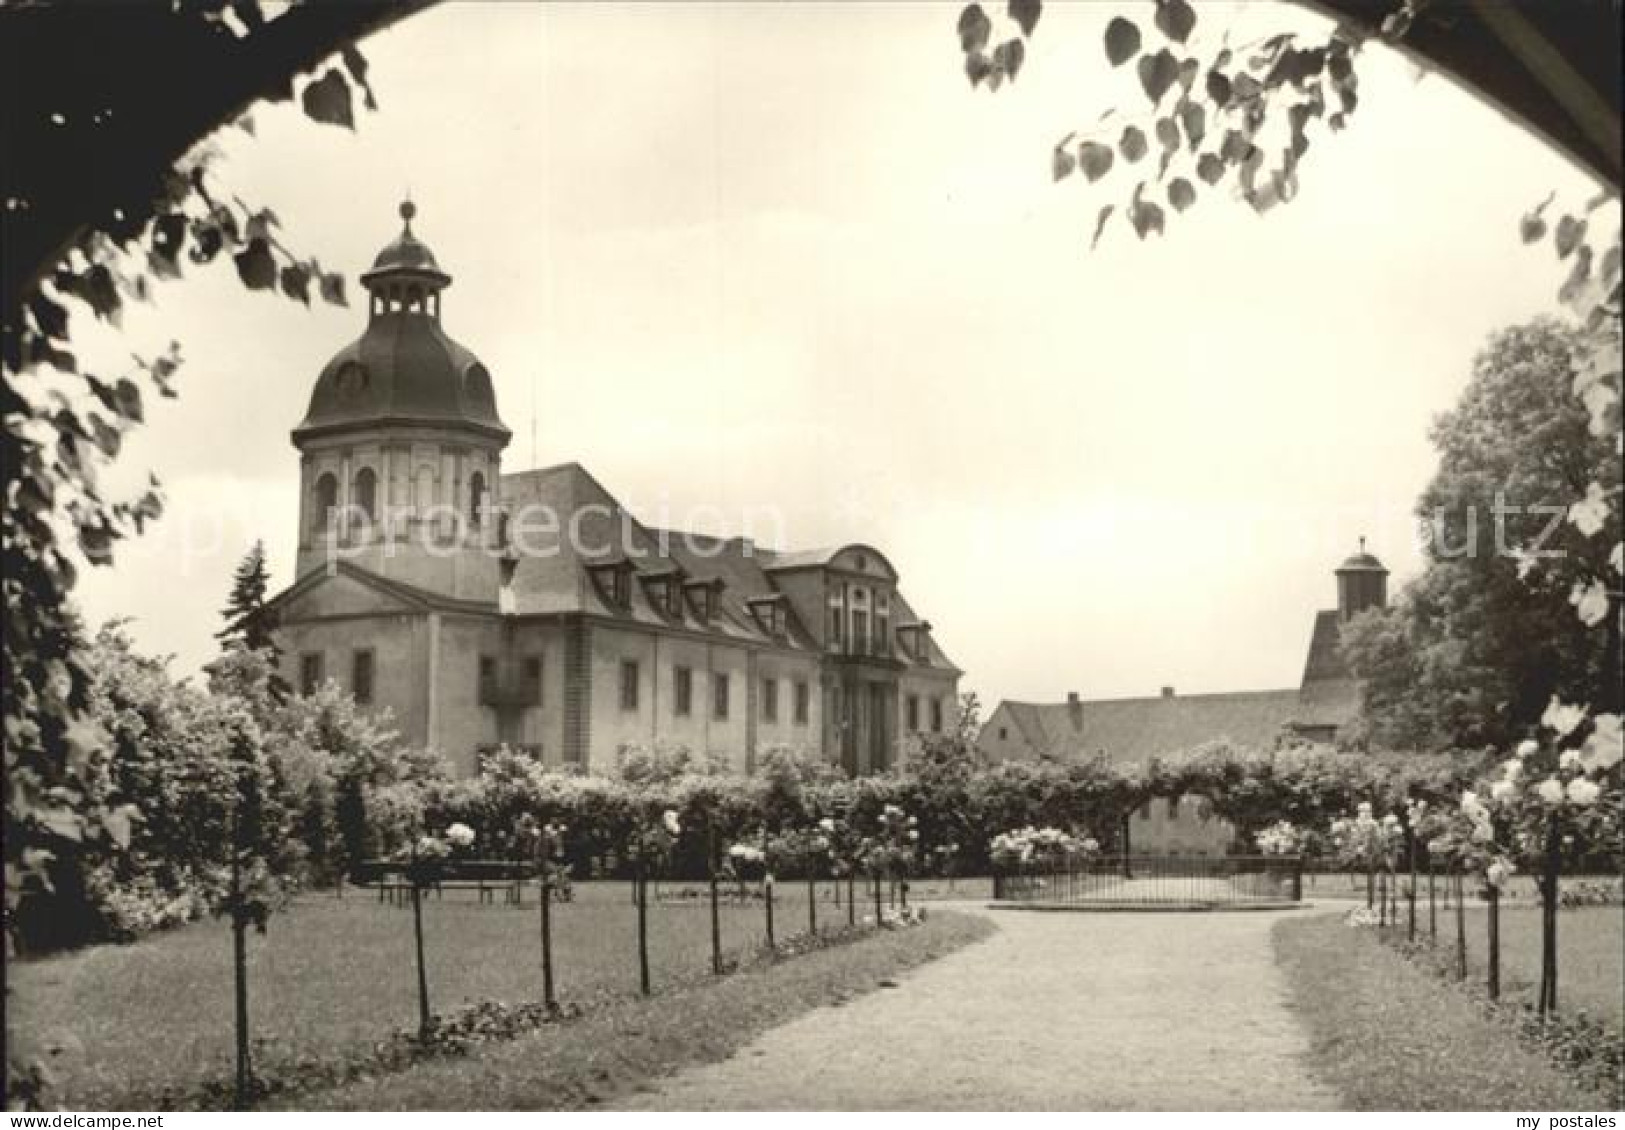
<point x="327" y="501"/>
<point x="366" y="493"/>
<point x="476" y="497"/>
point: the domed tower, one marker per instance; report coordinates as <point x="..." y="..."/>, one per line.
<point x="1362" y="582"/>
<point x="400" y="451"/>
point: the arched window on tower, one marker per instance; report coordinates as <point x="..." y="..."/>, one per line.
<point x="327" y="502"/>
<point x="476" y="497"/>
<point x="366" y="493"/>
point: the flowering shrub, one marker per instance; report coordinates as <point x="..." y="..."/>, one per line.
<point x="1283" y="838"/>
<point x="1039" y="847"/>
<point x="1365" y="840"/>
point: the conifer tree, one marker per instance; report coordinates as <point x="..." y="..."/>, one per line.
<point x="248" y="622"/>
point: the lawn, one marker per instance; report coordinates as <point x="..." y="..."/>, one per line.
<point x="1390" y="1035"/>
<point x="1590" y="955"/>
<point x="336" y="975"/>
<point x="630" y="1044"/>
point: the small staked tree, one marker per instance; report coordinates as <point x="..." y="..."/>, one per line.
<point x="649" y="848"/>
<point x="546" y="841"/>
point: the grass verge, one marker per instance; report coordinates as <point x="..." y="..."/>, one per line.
<point x="628" y="1045"/>
<point x="1391" y="1036"/>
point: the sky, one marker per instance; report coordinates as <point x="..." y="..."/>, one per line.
<point x="779" y="270"/>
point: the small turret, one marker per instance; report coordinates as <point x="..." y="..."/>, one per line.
<point x="1362" y="582"/>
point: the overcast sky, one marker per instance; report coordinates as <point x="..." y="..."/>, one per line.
<point x="735" y="258"/>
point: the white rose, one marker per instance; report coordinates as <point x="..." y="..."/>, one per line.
<point x="1551" y="791"/>
<point x="1584" y="792"/>
<point x="1496" y="875"/>
<point x="1502" y="791"/>
<point x="459" y="835"/>
<point x="1512" y="768"/>
<point x="1570" y="759"/>
<point x="672" y="825"/>
<point x="1528" y="747"/>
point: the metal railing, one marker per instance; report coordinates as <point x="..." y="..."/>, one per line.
<point x="1193" y="881"/>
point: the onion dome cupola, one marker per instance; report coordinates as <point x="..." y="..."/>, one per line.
<point x="401" y="448"/>
<point x="404" y="369"/>
<point x="1362" y="582"/>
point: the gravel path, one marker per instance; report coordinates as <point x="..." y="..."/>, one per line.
<point x="1057" y="1011"/>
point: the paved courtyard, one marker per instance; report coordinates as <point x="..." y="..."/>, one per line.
<point x="1070" y="1011"/>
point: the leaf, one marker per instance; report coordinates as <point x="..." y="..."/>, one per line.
<point x="1100" y="224"/>
<point x="1188" y="70"/>
<point x="1218" y="88"/>
<point x="1122" y="41"/>
<point x="1147" y="218"/>
<point x="1569" y="233"/>
<point x="255" y="265"/>
<point x="356" y="63"/>
<point x="260" y="224"/>
<point x="1167" y="133"/>
<point x="1157" y="73"/>
<point x="974" y="29"/>
<point x="1132" y="145"/>
<point x="1026" y="13"/>
<point x="977" y="67"/>
<point x="327" y="100"/>
<point x="1193" y="120"/>
<point x="332" y="288"/>
<point x="1095" y="159"/>
<point x="1062" y="162"/>
<point x="1175" y="19"/>
<point x="127" y="399"/>
<point x="1210" y="168"/>
<point x="1181" y="194"/>
<point x="295" y="279"/>
<point x="1007" y="57"/>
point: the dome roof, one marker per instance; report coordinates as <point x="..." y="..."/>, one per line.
<point x="1362" y="562"/>
<point x="404" y="369"/>
<point x="406" y="252"/>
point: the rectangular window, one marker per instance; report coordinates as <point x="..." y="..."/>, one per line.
<point x="629" y="684"/>
<point x="488" y="674"/>
<point x="860" y="631"/>
<point x="310" y="673"/>
<point x="361" y="664"/>
<point x="835" y="627"/>
<point x="533" y="678"/>
<point x="719" y="696"/>
<point x="802" y="698"/>
<point x="1173" y="808"/>
<point x="770" y="700"/>
<point x="936" y="716"/>
<point x="683" y="691"/>
<point x="1145" y="811"/>
<point x="913" y="712"/>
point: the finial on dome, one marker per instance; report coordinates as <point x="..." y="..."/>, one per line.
<point x="408" y="210"/>
<point x="1362" y="543"/>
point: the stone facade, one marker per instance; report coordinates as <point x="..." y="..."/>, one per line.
<point x="481" y="608"/>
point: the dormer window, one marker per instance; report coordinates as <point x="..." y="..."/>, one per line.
<point x="916" y="641"/>
<point x="702" y="598"/>
<point x="614" y="581"/>
<point x="769" y="612"/>
<point x="665" y="591"/>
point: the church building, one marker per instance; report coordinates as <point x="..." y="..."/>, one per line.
<point x="532" y="610"/>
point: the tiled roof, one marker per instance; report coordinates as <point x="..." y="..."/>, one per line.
<point x="1134" y="730"/>
<point x="552" y="574"/>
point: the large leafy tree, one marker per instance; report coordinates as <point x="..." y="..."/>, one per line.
<point x="106" y="186"/>
<point x="1476" y="647"/>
